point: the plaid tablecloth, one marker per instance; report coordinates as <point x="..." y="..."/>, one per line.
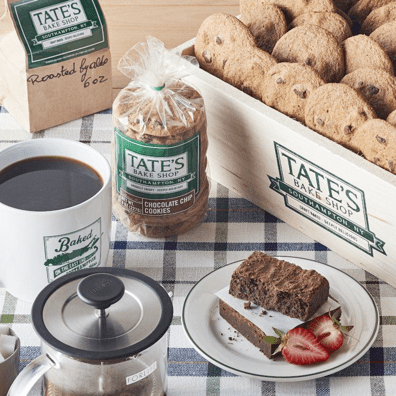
<point x="232" y="230"/>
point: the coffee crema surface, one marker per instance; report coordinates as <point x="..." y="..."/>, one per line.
<point x="48" y="183"/>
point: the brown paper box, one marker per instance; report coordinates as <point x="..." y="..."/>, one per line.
<point x="55" y="63"/>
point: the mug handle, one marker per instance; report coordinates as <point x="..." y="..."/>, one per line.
<point x="30" y="375"/>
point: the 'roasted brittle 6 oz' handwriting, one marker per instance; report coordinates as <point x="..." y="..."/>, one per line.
<point x="83" y="69"/>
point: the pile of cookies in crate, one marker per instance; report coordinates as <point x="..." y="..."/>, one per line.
<point x="328" y="64"/>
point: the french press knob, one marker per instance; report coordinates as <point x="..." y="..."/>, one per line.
<point x="101" y="291"/>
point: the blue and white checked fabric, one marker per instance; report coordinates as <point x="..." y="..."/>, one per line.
<point x="233" y="229"/>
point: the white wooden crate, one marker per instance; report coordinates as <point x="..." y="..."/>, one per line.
<point x="317" y="186"/>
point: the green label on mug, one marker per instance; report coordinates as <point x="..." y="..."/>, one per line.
<point x="73" y="251"/>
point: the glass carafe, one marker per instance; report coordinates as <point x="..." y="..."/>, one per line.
<point x="103" y="333"/>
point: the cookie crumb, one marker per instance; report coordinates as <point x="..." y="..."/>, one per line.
<point x="263" y="312"/>
<point x="247" y="305"/>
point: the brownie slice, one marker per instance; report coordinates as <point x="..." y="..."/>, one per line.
<point x="247" y="329"/>
<point x="250" y="331"/>
<point x="279" y="285"/>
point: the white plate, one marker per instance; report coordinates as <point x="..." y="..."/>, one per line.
<point x="209" y="333"/>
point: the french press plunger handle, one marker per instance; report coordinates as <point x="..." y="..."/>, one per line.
<point x="101" y="290"/>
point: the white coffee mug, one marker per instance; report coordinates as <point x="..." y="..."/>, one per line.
<point x="37" y="247"/>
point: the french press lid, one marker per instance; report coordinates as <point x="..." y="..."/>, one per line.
<point x="102" y="313"/>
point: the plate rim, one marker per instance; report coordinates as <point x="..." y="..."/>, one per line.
<point x="304" y="377"/>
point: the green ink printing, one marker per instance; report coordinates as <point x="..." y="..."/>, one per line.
<point x="158" y="88"/>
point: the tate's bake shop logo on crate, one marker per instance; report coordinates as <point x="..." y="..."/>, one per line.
<point x="73" y="251"/>
<point x="54" y="30"/>
<point x="325" y="199"/>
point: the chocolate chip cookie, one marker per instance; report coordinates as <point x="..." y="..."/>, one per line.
<point x="266" y="22"/>
<point x="336" y="111"/>
<point x="379" y="17"/>
<point x="362" y="51"/>
<point x="315" y="47"/>
<point x="385" y="36"/>
<point x="377" y="86"/>
<point x="225" y="48"/>
<point x="331" y="21"/>
<point x="376" y="141"/>
<point x="288" y="86"/>
<point x="362" y="9"/>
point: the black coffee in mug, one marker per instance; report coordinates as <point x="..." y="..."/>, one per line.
<point x="48" y="183"/>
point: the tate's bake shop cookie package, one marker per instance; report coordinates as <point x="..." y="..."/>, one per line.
<point x="55" y="63"/>
<point x="160" y="186"/>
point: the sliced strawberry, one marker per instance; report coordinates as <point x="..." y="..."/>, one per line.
<point x="326" y="332"/>
<point x="300" y="346"/>
<point x="329" y="332"/>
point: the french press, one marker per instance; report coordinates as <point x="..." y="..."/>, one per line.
<point x="103" y="333"/>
